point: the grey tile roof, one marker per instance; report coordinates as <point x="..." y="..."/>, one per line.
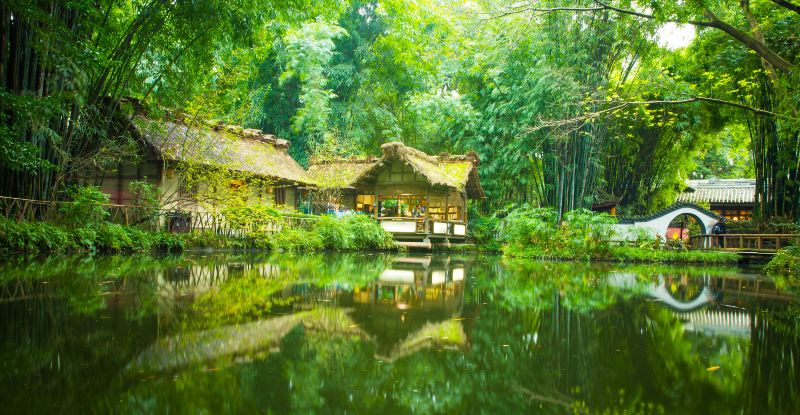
<point x="722" y="191"/>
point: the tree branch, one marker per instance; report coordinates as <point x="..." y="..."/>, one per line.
<point x="620" y="105"/>
<point x="713" y="22"/>
<point x="789" y="5"/>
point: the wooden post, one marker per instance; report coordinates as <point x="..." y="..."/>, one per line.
<point x="446" y="206"/>
<point x="741" y="242"/>
<point x="759" y="244"/>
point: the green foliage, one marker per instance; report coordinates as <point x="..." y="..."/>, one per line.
<point x="32" y="237"/>
<point x="335" y="233"/>
<point x="42" y="237"/>
<point x="483" y="230"/>
<point x="85" y="208"/>
<point x="786" y="263"/>
<point x="146" y="197"/>
<point x="292" y="240"/>
<point x="352" y="232"/>
<point x="252" y="218"/>
<point x="534" y="233"/>
<point x="368" y="234"/>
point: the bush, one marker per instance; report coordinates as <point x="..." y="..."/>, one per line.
<point x="786" y="262"/>
<point x="252" y="219"/>
<point x="484" y="231"/>
<point x="32" y="237"/>
<point x="42" y="237"/>
<point x="112" y="237"/>
<point x="169" y="242"/>
<point x="86" y="207"/>
<point x="295" y="240"/>
<point x="536" y="232"/>
<point x="368" y="234"/>
<point x="533" y="233"/>
<point x="147" y="199"/>
<point x="335" y="233"/>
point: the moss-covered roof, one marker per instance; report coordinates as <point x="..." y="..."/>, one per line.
<point x="230" y="147"/>
<point x="459" y="172"/>
<point x="340" y="173"/>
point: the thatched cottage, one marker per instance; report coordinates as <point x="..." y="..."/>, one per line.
<point x="172" y="150"/>
<point x="421" y="199"/>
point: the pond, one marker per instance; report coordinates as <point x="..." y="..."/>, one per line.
<point x="374" y="333"/>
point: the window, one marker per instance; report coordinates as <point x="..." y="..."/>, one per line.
<point x="280" y="196"/>
<point x="186" y="189"/>
<point x="365" y="203"/>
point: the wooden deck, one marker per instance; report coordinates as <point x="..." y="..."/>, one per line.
<point x="742" y="243"/>
<point x="424" y="233"/>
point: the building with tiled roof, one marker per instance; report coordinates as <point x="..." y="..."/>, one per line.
<point x="731" y="198"/>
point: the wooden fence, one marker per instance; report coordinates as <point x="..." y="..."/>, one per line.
<point x="767" y="243"/>
<point x="170" y="220"/>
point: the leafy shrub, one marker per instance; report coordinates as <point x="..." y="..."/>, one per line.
<point x="33" y="237"/>
<point x="536" y="230"/>
<point x="335" y="233"/>
<point x="368" y="234"/>
<point x="208" y="239"/>
<point x="484" y="230"/>
<point x="113" y="237"/>
<point x="85" y="208"/>
<point x="785" y="262"/>
<point x="85" y="239"/>
<point x="295" y="240"/>
<point x="147" y="199"/>
<point x="169" y="242"/>
<point x="527" y="225"/>
<point x="252" y="218"/>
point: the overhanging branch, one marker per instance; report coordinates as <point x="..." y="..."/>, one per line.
<point x="712" y="22"/>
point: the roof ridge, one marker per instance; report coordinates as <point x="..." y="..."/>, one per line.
<point x="343" y="160"/>
<point x="671" y="208"/>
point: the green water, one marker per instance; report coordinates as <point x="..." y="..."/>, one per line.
<point x="361" y="333"/>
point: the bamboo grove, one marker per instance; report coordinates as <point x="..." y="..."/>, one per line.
<point x="566" y="101"/>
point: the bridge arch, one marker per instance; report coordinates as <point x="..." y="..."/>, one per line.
<point x="658" y="222"/>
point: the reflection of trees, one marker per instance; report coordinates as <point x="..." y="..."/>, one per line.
<point x="772" y="372"/>
<point x="542" y="337"/>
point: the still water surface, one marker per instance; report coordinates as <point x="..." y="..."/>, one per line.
<point x="361" y="333"/>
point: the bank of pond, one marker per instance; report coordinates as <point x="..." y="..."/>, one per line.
<point x="523" y="233"/>
<point x="392" y="333"/>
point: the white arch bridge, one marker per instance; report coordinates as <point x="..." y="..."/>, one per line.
<point x="628" y="228"/>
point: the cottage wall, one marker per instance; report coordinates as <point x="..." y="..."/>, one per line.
<point x="117" y="184"/>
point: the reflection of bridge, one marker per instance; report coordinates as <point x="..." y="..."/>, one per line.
<point x="695" y="313"/>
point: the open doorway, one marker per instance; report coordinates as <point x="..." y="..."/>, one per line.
<point x="683" y="227"/>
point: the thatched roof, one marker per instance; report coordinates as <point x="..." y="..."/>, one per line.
<point x="459" y="172"/>
<point x="230" y="147"/>
<point x="340" y="173"/>
<point x="720" y="191"/>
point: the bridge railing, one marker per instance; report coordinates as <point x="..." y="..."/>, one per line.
<point x="743" y="241"/>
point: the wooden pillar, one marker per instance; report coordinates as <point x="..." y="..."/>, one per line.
<point x="446" y="206"/>
<point x="376" y="204"/>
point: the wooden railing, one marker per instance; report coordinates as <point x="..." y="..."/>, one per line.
<point x="425" y="225"/>
<point x="171" y="220"/>
<point x="743" y="242"/>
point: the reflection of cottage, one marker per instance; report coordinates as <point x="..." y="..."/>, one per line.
<point x="170" y="147"/>
<point x="411" y="304"/>
<point x="731" y="198"/>
<point x="421" y="199"/>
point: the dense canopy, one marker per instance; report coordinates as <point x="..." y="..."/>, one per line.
<point x="563" y="100"/>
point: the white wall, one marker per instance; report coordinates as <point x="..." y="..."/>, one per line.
<point x="658" y="226"/>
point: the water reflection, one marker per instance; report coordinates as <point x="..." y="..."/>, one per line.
<point x="363" y="333"/>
